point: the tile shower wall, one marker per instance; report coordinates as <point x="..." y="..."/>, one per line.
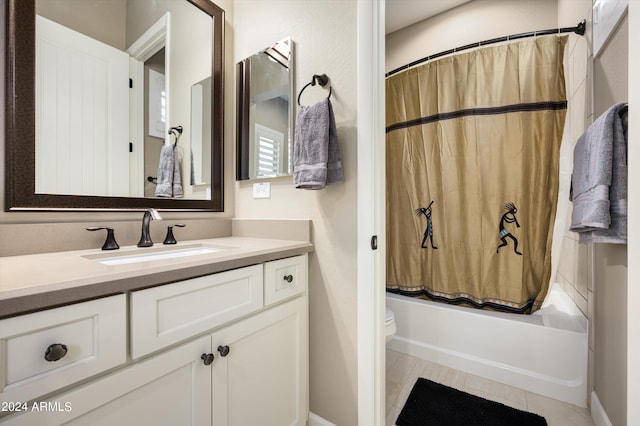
<point x="575" y="271"/>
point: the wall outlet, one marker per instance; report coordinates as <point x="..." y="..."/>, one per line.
<point x="262" y="190"/>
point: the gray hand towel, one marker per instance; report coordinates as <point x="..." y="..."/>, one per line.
<point x="316" y="153"/>
<point x="169" y="178"/>
<point x="600" y="180"/>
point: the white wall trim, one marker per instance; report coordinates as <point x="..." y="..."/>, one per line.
<point x="598" y="414"/>
<point x="315" y="420"/>
<point x="370" y="205"/>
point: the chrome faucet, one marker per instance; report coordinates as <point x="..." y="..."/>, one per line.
<point x="145" y="238"/>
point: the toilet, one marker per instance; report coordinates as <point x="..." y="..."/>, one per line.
<point x="389" y="325"/>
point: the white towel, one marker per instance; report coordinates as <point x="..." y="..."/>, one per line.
<point x="316" y="153"/>
<point x="600" y="180"/>
<point x="169" y="178"/>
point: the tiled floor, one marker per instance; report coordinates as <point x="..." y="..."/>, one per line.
<point x="402" y="371"/>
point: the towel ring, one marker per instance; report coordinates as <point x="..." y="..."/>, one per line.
<point x="177" y="132"/>
<point x="321" y="79"/>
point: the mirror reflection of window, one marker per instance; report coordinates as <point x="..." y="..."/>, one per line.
<point x="157" y="105"/>
<point x="268" y="152"/>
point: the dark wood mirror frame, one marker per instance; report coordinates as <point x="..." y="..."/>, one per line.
<point x="20" y="123"/>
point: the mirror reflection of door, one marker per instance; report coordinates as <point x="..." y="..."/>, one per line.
<point x="82" y="122"/>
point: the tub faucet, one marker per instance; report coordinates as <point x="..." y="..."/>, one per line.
<point x="145" y="238"/>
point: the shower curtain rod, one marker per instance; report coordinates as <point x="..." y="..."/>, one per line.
<point x="578" y="29"/>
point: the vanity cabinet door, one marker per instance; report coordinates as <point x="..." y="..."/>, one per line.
<point x="263" y="379"/>
<point x="172" y="388"/>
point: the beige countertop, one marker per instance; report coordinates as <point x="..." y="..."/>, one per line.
<point x="38" y="281"/>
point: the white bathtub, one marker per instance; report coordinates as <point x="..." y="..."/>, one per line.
<point x="545" y="352"/>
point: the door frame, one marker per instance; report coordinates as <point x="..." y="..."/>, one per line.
<point x="371" y="213"/>
<point x="149" y="43"/>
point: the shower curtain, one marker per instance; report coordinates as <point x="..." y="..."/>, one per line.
<point x="472" y="148"/>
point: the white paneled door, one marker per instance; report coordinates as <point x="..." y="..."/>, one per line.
<point x="82" y="118"/>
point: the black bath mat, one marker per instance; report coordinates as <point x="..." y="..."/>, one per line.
<point x="433" y="404"/>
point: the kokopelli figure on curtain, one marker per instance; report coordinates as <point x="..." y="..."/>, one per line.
<point x="508" y="217"/>
<point x="428" y="232"/>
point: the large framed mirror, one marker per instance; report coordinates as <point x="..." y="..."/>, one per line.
<point x="264" y="133"/>
<point x="92" y="114"/>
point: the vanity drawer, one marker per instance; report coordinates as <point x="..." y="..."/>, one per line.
<point x="94" y="334"/>
<point x="168" y="314"/>
<point x="285" y="278"/>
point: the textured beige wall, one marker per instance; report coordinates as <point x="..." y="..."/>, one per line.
<point x="610" y="324"/>
<point x="633" y="268"/>
<point x="324" y="33"/>
<point x="611" y="85"/>
<point x="471" y="22"/>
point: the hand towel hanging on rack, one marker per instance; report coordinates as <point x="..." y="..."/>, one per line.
<point x="169" y="175"/>
<point x="169" y="178"/>
<point x="316" y="154"/>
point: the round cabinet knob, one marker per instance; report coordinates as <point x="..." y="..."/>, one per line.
<point x="288" y="278"/>
<point x="224" y="350"/>
<point x="207" y="358"/>
<point x="55" y="352"/>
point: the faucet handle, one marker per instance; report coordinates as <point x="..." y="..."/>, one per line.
<point x="110" y="243"/>
<point x="169" y="239"/>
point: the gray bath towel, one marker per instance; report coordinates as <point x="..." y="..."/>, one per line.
<point x="169" y="178"/>
<point x="600" y="180"/>
<point x="316" y="154"/>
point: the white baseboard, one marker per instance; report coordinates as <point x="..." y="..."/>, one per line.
<point x="315" y="420"/>
<point x="598" y="414"/>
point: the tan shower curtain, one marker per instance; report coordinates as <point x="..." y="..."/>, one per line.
<point x="473" y="146"/>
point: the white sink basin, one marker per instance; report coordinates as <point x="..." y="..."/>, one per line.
<point x="149" y="255"/>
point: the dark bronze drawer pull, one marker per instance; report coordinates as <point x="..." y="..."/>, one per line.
<point x="55" y="352"/>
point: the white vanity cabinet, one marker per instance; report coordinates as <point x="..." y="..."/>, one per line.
<point x="212" y="350"/>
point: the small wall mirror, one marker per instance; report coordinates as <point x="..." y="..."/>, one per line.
<point x="265" y="113"/>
